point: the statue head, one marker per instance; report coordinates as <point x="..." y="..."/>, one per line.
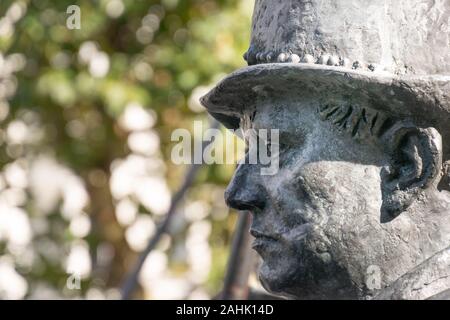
<point x="361" y="185"/>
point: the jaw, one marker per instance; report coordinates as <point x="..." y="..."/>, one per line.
<point x="307" y="290"/>
<point x="277" y="284"/>
<point x="306" y="274"/>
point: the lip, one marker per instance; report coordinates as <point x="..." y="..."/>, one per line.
<point x="258" y="234"/>
<point x="262" y="240"/>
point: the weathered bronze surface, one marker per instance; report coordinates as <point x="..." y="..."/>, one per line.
<point x="359" y="90"/>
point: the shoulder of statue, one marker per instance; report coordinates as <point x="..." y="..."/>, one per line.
<point x="429" y="280"/>
<point x="444" y="295"/>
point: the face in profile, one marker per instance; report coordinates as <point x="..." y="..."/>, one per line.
<point x="316" y="222"/>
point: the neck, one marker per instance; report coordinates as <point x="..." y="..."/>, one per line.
<point x="430" y="279"/>
<point x="431" y="276"/>
<point x="431" y="214"/>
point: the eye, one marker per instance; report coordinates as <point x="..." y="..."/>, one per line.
<point x="268" y="145"/>
<point x="265" y="144"/>
<point x="278" y="147"/>
<point x="278" y="151"/>
<point x="302" y="187"/>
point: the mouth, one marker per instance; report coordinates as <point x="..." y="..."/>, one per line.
<point x="262" y="240"/>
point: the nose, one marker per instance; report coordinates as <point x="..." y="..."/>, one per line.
<point x="245" y="191"/>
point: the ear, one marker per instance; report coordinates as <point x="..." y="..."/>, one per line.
<point x="416" y="164"/>
<point x="445" y="181"/>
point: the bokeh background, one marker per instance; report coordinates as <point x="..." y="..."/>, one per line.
<point x="86" y="118"/>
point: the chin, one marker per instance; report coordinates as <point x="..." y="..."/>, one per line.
<point x="279" y="281"/>
<point x="306" y="280"/>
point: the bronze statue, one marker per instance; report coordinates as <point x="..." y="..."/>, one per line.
<point x="359" y="91"/>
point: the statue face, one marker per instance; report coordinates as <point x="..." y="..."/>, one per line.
<point x="316" y="222"/>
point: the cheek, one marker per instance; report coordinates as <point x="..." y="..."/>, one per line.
<point x="343" y="189"/>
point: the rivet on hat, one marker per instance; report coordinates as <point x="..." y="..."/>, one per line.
<point x="308" y="59"/>
<point x="346" y="63"/>
<point x="251" y="56"/>
<point x="333" y="61"/>
<point x="245" y="56"/>
<point x="282" y="57"/>
<point x="324" y="59"/>
<point x="258" y="57"/>
<point x="356" y="65"/>
<point x="294" y="58"/>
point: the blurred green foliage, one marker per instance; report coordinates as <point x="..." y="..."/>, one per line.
<point x="151" y="53"/>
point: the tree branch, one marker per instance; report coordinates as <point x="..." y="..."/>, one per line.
<point x="240" y="261"/>
<point x="130" y="283"/>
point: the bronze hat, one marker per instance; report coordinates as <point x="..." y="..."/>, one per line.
<point x="393" y="56"/>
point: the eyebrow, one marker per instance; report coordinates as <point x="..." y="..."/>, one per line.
<point x="286" y="136"/>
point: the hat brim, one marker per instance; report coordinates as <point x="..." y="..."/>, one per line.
<point x="424" y="99"/>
